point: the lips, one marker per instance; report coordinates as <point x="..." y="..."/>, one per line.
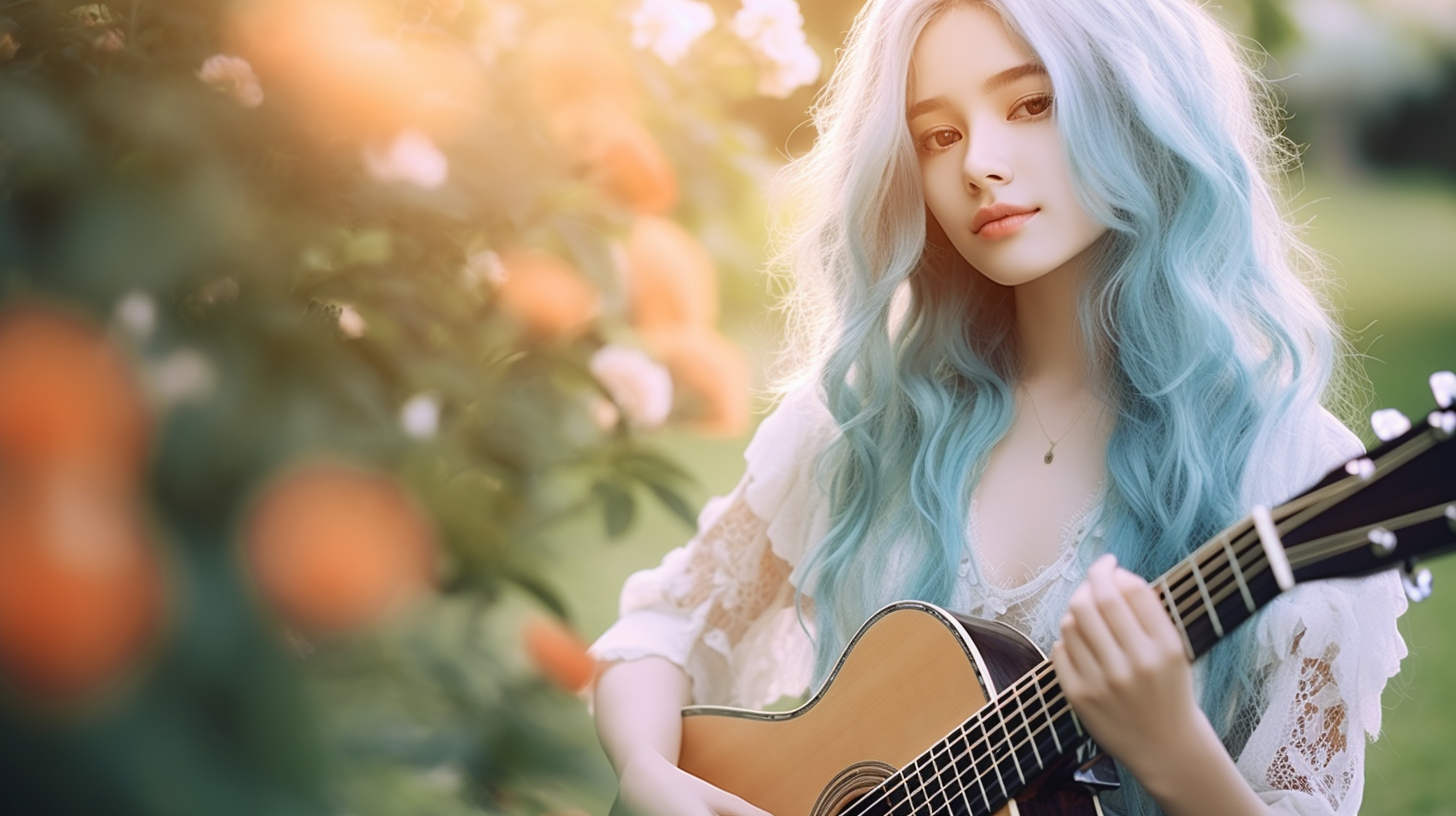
<point x="1000" y="220"/>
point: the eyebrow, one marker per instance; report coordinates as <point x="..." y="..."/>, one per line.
<point x="995" y="83"/>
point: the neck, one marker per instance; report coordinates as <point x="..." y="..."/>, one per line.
<point x="1049" y="330"/>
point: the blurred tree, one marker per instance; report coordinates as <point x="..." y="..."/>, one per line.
<point x="362" y="267"/>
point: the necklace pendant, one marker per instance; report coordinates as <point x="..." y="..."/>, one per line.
<point x="1048" y="458"/>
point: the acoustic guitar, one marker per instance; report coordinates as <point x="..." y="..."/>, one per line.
<point x="934" y="714"/>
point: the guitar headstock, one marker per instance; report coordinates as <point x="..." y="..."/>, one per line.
<point x="1388" y="509"/>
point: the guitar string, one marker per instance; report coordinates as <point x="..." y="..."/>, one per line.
<point x="1326" y="496"/>
<point x="1301" y="509"/>
<point x="1051" y="712"/>
<point x="1016" y="689"/>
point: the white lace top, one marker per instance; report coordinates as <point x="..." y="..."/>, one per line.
<point x="722" y="607"/>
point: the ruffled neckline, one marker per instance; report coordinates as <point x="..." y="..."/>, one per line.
<point x="1074" y="531"/>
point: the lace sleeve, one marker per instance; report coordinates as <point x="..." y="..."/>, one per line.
<point x="1325" y="650"/>
<point x="1306" y="755"/>
<point x="722" y="606"/>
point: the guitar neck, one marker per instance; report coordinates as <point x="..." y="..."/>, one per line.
<point x="992" y="756"/>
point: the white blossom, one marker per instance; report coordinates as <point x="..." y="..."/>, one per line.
<point x="774" y="31"/>
<point x="420" y="416"/>
<point x="791" y="63"/>
<point x="640" y="386"/>
<point x="758" y="16"/>
<point x="137" y="313"/>
<point x="351" y="323"/>
<point x="183" y="376"/>
<point x="670" y="27"/>
<point x="233" y="76"/>
<point x="483" y="267"/>
<point x="411" y="159"/>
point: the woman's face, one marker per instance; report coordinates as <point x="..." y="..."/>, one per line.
<point x="994" y="170"/>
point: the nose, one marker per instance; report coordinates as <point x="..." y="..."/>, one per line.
<point x="987" y="161"/>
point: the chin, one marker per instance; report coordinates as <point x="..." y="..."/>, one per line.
<point x="1015" y="272"/>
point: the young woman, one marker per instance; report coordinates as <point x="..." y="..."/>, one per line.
<point x="1053" y="336"/>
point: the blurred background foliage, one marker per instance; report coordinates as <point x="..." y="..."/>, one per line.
<point x="353" y="352"/>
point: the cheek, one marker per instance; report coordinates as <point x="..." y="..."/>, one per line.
<point x="940" y="195"/>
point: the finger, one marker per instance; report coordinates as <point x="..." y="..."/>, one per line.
<point x="1067" y="674"/>
<point x="1150" y="611"/>
<point x="724" y="803"/>
<point x="1083" y="661"/>
<point x="1087" y="612"/>
<point x="1126" y="627"/>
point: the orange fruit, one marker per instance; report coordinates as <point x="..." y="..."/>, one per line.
<point x="335" y="548"/>
<point x="559" y="654"/>
<point x="545" y="294"/>
<point x="710" y="377"/>
<point x="80" y="585"/>
<point x="66" y="395"/>
<point x="347" y="75"/>
<point x="670" y="276"/>
<point x="619" y="154"/>
<point x="569" y="59"/>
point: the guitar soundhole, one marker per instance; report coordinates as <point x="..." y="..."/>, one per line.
<point x="849" y="785"/>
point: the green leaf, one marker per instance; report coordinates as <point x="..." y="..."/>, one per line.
<point x="537" y="586"/>
<point x="674" y="502"/>
<point x="618" y="507"/>
<point x="653" y="468"/>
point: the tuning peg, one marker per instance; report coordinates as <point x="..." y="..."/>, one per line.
<point x="1389" y="423"/>
<point x="1417" y="582"/>
<point x="1443" y="387"/>
<point x="1362" y="467"/>
<point x="1444" y="423"/>
<point x="1382" y="541"/>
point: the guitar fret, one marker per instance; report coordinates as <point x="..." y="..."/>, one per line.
<point x="1177" y="618"/>
<point x="995" y="765"/>
<point x="1238" y="572"/>
<point x="1026" y="723"/>
<point x="1207" y="601"/>
<point x="895" y="804"/>
<point x="1010" y="748"/>
<point x="1047" y="713"/>
<point x="958" y="772"/>
<point x="918" y="786"/>
<point x="976" y="769"/>
<point x="936" y="787"/>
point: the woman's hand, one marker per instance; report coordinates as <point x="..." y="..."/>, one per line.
<point x="652" y="786"/>
<point x="1122" y="666"/>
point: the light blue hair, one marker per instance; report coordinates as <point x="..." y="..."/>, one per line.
<point x="1196" y="307"/>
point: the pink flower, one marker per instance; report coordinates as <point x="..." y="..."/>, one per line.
<point x="411" y="158"/>
<point x="234" y="77"/>
<point x="641" y="387"/>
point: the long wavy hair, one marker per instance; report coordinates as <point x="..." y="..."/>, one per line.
<point x="1198" y="306"/>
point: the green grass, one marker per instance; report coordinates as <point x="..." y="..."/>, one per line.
<point x="1392" y="247"/>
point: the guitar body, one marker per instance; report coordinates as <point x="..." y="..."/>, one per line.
<point x="910" y="676"/>
<point x="914" y="699"/>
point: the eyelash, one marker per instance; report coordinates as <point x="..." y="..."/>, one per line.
<point x="1041" y="98"/>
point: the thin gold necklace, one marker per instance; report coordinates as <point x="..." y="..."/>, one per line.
<point x="1047" y="459"/>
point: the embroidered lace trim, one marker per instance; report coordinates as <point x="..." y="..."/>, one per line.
<point x="737" y="590"/>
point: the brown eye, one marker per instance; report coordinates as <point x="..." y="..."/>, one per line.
<point x="1037" y="105"/>
<point x="944" y="138"/>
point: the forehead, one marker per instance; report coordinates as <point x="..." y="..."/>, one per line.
<point x="960" y="49"/>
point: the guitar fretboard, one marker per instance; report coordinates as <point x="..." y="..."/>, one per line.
<point x="991" y="757"/>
